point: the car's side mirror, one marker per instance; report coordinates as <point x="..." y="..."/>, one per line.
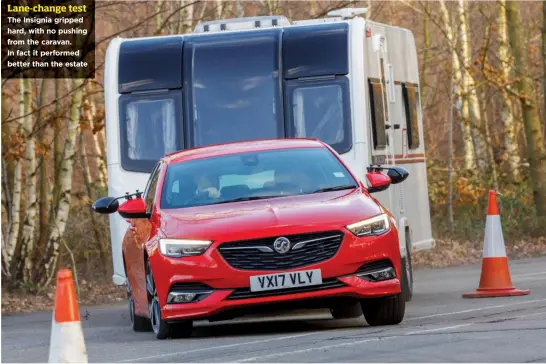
<point x="106" y="205"/>
<point x="134" y="208"/>
<point x="377" y="181"/>
<point x="397" y="174"/>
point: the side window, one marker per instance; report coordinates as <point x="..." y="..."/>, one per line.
<point x="320" y="109"/>
<point x="411" y="99"/>
<point x="149" y="193"/>
<point x="377" y="107"/>
<point x="150" y="127"/>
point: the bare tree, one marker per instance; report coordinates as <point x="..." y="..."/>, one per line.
<point x="457" y="82"/>
<point x="63" y="205"/>
<point x="13" y="236"/>
<point x="536" y="151"/>
<point x="510" y="144"/>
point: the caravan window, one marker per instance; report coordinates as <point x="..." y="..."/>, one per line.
<point x="150" y="128"/>
<point x="235" y="94"/>
<point x="320" y="110"/>
<point x="411" y="100"/>
<point x="377" y="110"/>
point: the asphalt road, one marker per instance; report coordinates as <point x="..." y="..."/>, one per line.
<point x="439" y="326"/>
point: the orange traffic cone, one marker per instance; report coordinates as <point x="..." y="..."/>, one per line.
<point x="495" y="279"/>
<point x="67" y="344"/>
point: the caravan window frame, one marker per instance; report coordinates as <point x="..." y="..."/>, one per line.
<point x="147" y="165"/>
<point x="380" y="141"/>
<point x="291" y="86"/>
<point x="411" y="113"/>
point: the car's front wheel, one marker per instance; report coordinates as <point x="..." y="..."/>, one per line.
<point x="138" y="323"/>
<point x="384" y="310"/>
<point x="163" y="329"/>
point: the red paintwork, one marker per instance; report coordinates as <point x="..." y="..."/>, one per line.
<point x="248" y="220"/>
<point x="378" y="179"/>
<point x="133" y="206"/>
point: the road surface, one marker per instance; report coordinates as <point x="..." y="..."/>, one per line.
<point x="439" y="326"/>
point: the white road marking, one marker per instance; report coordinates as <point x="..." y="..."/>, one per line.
<point x="217" y="347"/>
<point x="320" y="332"/>
<point x="474" y="309"/>
<point x="437" y="329"/>
<point x="529" y="274"/>
<point x="326" y="347"/>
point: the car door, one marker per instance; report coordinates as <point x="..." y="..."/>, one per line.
<point x="142" y="228"/>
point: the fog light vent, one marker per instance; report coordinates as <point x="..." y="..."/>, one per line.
<point x="188" y="292"/>
<point x="185" y="297"/>
<point x="378" y="275"/>
<point x="381" y="270"/>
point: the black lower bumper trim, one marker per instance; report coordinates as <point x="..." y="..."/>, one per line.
<point x="245" y="293"/>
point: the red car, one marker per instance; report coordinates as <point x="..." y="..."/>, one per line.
<point x="227" y="230"/>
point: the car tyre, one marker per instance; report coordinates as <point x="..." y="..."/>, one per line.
<point x="346" y="310"/>
<point x="161" y="328"/>
<point x="407" y="271"/>
<point x="384" y="310"/>
<point x="138" y="323"/>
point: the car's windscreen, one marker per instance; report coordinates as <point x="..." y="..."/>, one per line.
<point x="252" y="176"/>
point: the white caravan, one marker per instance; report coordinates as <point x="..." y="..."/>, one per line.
<point x="350" y="82"/>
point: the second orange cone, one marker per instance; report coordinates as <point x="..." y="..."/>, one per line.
<point x="495" y="278"/>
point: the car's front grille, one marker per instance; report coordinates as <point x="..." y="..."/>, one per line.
<point x="242" y="293"/>
<point x="260" y="254"/>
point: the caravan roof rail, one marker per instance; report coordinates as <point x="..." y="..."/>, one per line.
<point x="348" y="13"/>
<point x="253" y="22"/>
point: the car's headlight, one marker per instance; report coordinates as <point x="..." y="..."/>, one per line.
<point x="376" y="225"/>
<point x="182" y="247"/>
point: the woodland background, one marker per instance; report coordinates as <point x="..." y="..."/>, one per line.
<point x="483" y="76"/>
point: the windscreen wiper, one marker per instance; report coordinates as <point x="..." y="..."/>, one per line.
<point x="247" y="198"/>
<point x="335" y="188"/>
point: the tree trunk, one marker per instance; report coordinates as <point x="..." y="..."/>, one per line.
<point x="89" y="188"/>
<point x="450" y="157"/>
<point x="469" y="90"/>
<point x="45" y="196"/>
<point x="510" y="142"/>
<point x="51" y="252"/>
<point x="189" y="10"/>
<point x="13" y="236"/>
<point x="468" y="146"/>
<point x="426" y="46"/>
<point x="96" y="149"/>
<point x="158" y="22"/>
<point x="29" y="224"/>
<point x="240" y="9"/>
<point x="536" y="151"/>
<point x="544" y="55"/>
<point x="57" y="144"/>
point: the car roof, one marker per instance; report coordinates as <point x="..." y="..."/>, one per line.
<point x="217" y="150"/>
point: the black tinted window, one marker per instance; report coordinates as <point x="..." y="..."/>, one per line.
<point x="377" y="111"/>
<point x="235" y="88"/>
<point x="321" y="110"/>
<point x="150" y="127"/>
<point x="411" y="103"/>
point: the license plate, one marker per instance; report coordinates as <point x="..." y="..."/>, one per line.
<point x="268" y="282"/>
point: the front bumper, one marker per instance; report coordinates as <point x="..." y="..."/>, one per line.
<point x="230" y="287"/>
